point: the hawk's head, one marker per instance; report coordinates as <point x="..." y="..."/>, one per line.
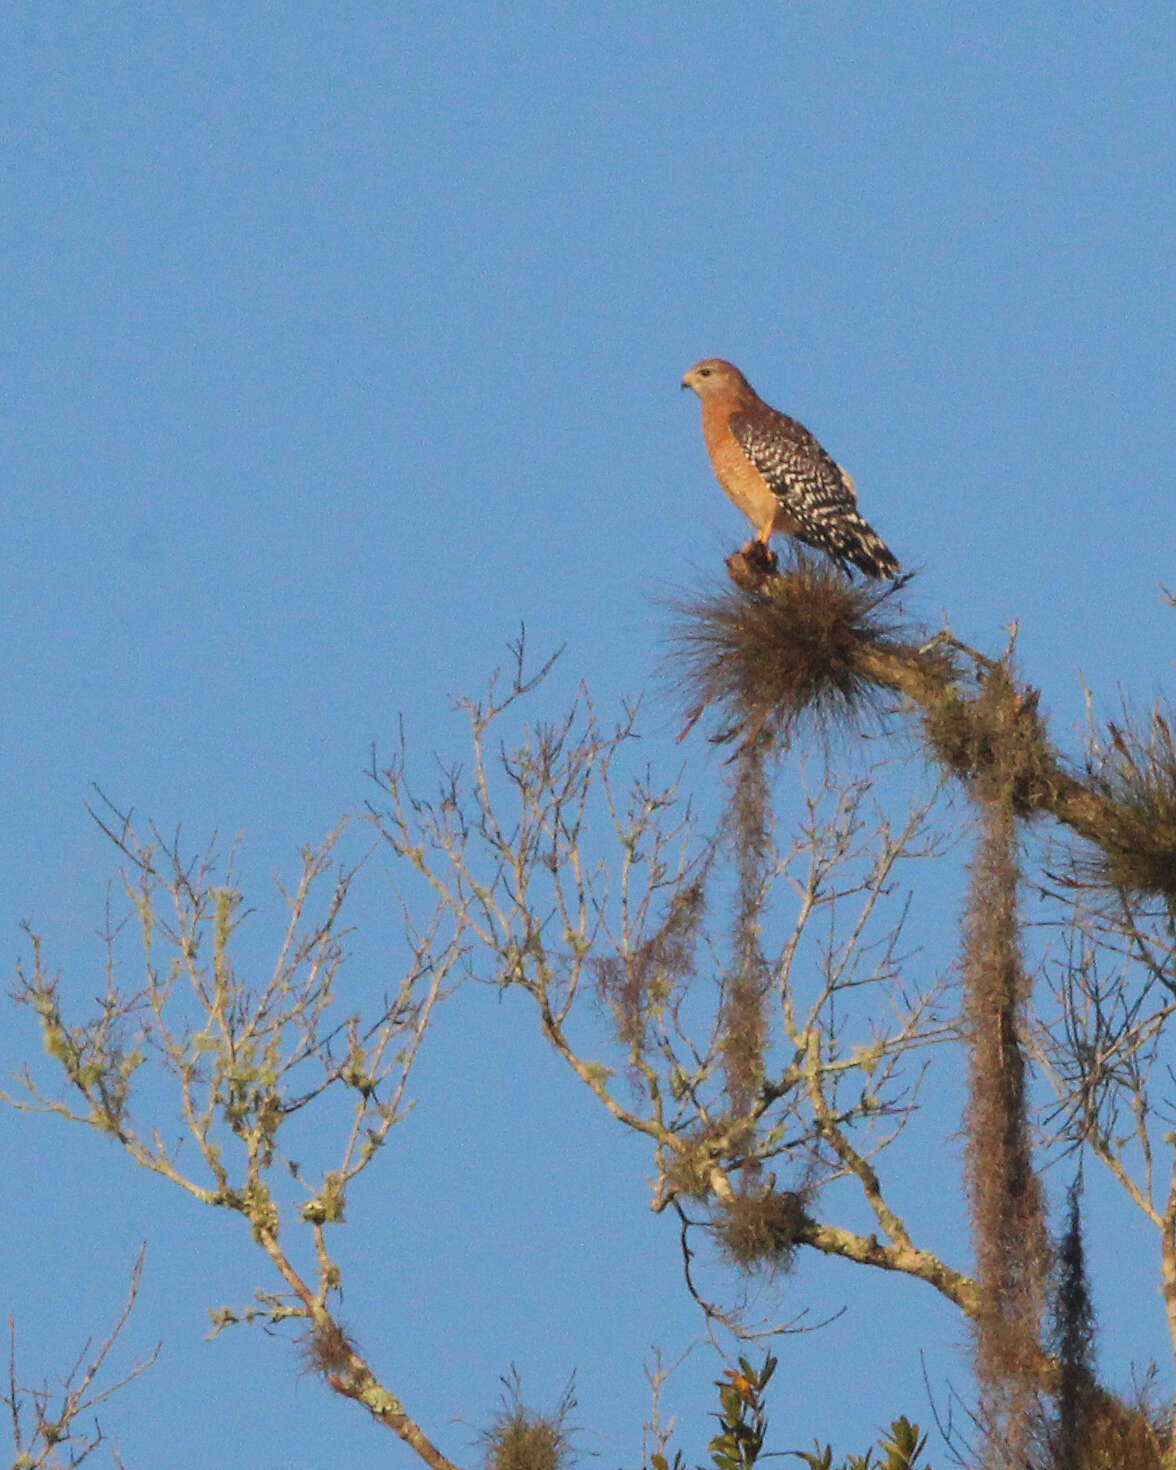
<point x="713" y="376"/>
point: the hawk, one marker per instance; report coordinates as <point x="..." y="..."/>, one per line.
<point x="779" y="476"/>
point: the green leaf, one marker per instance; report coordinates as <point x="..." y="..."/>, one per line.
<point x="904" y="1446"/>
<point x="821" y="1460"/>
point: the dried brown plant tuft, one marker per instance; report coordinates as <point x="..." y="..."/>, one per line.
<point x="1073" y="1341"/>
<point x="1091" y="1429"/>
<point x="743" y="1022"/>
<point x="1008" y="1219"/>
<point x="997" y="737"/>
<point x="1115" y="1436"/>
<point x="636" y="985"/>
<point x="786" y="648"/>
<point x="688" y="1169"/>
<point x="327" y="1350"/>
<point x="520" y="1439"/>
<point x="761" y="1231"/>
<point x="1137" y="772"/>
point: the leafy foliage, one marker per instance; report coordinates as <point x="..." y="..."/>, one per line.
<point x="743" y="1420"/>
<point x="902" y="1451"/>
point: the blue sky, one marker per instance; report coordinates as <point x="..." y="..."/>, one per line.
<point x="342" y="341"/>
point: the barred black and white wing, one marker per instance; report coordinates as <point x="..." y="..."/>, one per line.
<point x="817" y="499"/>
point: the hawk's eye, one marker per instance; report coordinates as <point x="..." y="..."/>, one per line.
<point x="704" y="372"/>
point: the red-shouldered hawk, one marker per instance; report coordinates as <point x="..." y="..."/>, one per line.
<point x="778" y="475"/>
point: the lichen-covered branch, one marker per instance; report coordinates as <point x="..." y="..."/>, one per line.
<point x="243" y="1060"/>
<point x="55" y="1414"/>
<point x="720" y="1039"/>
